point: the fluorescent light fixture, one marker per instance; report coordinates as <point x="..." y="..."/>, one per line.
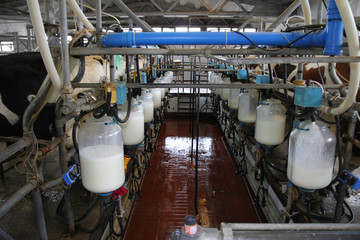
<point x="176" y="16"/>
<point x="220" y="16"/>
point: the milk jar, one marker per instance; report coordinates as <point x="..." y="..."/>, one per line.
<point x="234" y="97"/>
<point x="101" y="155"/>
<point x="147" y="101"/>
<point x="217" y="80"/>
<point x="133" y="130"/>
<point x="161" y="81"/>
<point x="225" y="91"/>
<point x="156" y="92"/>
<point x="311" y="155"/>
<point x="270" y="122"/>
<point x="248" y="101"/>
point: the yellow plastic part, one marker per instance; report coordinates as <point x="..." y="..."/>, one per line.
<point x="126" y="161"/>
<point x="299" y="83"/>
<point x="111" y="87"/>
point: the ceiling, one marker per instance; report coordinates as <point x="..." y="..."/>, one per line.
<point x="169" y="13"/>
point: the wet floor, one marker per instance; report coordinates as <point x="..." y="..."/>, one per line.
<point x="168" y="188"/>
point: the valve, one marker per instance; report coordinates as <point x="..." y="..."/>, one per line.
<point x="350" y="179"/>
<point x="71" y="175"/>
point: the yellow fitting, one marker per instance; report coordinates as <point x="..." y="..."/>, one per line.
<point x="111" y="87"/>
<point x="126" y="161"/>
<point x="299" y="83"/>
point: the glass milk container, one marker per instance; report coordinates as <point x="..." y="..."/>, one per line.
<point x="270" y="122"/>
<point x="101" y="155"/>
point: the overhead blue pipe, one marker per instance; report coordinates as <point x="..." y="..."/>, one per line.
<point x="334" y="28"/>
<point x="330" y="37"/>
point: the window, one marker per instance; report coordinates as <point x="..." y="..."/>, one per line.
<point x="225" y="30"/>
<point x="7" y="46"/>
<point x="137" y="30"/>
<point x="212" y="29"/>
<point x="249" y="30"/>
<point x="168" y="29"/>
<point x="181" y="29"/>
<point x="194" y="29"/>
<point x="157" y="29"/>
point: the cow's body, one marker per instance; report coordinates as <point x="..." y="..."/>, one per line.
<point x="21" y="77"/>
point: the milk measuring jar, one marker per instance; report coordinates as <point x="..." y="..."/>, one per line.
<point x="101" y="155"/>
<point x="270" y="122"/>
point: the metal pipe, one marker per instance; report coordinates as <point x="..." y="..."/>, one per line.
<point x="29" y="38"/>
<point x="39" y="212"/>
<point x="63" y="166"/>
<point x="17" y="42"/>
<point x="132" y="16"/>
<point x="354" y="141"/>
<point x="300" y="72"/>
<point x="17" y="197"/>
<point x="244" y="24"/>
<point x="290" y="227"/>
<point x="52" y="183"/>
<point x="284" y="15"/>
<point x="12" y="149"/>
<point x="203" y="85"/>
<point x="98" y="15"/>
<point x="112" y="68"/>
<point x="319" y="14"/>
<point x="334" y="77"/>
<point x="82" y="51"/>
<point x="346" y="165"/>
<point x="4" y="235"/>
<point x="64" y="45"/>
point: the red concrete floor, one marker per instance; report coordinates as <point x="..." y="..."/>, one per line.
<point x="168" y="187"/>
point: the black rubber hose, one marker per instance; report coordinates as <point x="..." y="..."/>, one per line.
<point x="76" y="123"/>
<point x="98" y="222"/>
<point x="111" y="221"/>
<point x="83" y="216"/>
<point x="81" y="71"/>
<point x="338" y="149"/>
<point x="105" y="108"/>
<point x="116" y="112"/>
<point x="308" y="211"/>
<point x="151" y="71"/>
<point x="326" y="121"/>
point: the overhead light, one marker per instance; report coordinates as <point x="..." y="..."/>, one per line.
<point x="176" y="16"/>
<point x="220" y="16"/>
<point x="124" y="16"/>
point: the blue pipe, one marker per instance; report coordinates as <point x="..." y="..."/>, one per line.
<point x="335" y="28"/>
<point x="128" y="39"/>
<point x="330" y="37"/>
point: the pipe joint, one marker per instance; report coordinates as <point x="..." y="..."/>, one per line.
<point x="334" y="30"/>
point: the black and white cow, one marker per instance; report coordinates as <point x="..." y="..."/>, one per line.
<point x="21" y="76"/>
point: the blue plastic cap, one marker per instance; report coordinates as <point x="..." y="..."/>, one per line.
<point x="143" y="78"/>
<point x="241" y="74"/>
<point x="121" y="92"/>
<point x="308" y="96"/>
<point x="262" y="79"/>
<point x="154" y="73"/>
<point x="230" y="72"/>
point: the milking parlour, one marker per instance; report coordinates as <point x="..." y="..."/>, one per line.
<point x="179" y="119"/>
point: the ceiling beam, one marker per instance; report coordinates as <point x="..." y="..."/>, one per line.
<point x="157" y="5"/>
<point x="207" y="6"/>
<point x="221" y="6"/>
<point x="172" y="6"/>
<point x="109" y="2"/>
<point x="237" y="2"/>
